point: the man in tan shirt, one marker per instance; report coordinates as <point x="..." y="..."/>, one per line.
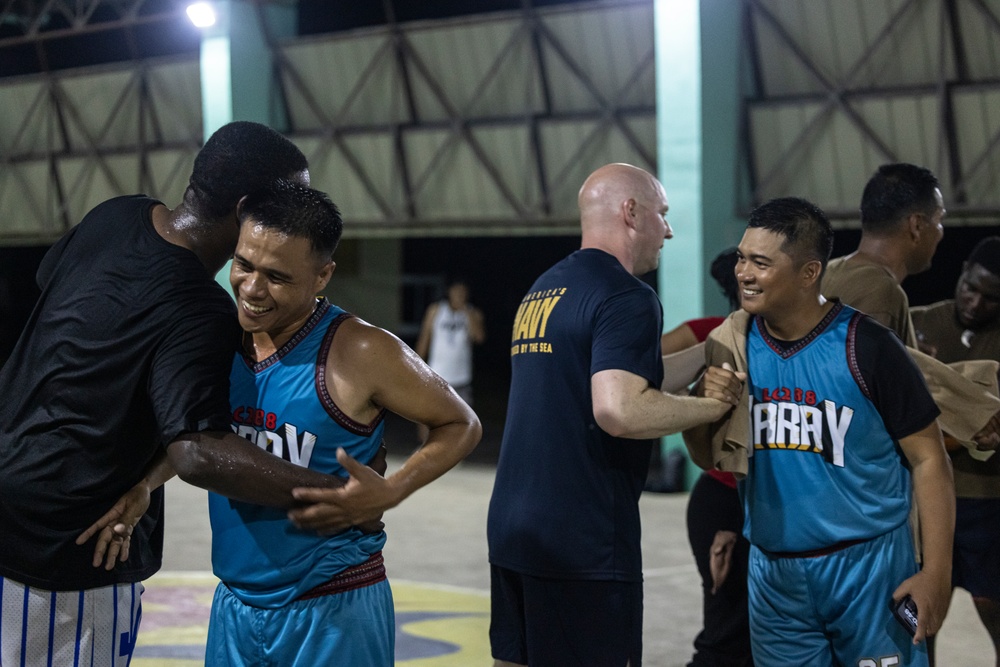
<point x="959" y="329"/>
<point x="901" y="225"/>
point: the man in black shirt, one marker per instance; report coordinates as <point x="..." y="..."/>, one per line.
<point x="125" y="363"/>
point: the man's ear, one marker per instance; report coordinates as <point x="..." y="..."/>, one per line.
<point x="239" y="208"/>
<point x="811" y="271"/>
<point x="913" y="226"/>
<point x="324" y="275"/>
<point x="629" y="212"/>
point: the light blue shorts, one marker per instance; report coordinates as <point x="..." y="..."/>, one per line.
<point x="352" y="628"/>
<point x="833" y="609"/>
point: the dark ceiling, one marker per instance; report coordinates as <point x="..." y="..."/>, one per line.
<point x="60" y="34"/>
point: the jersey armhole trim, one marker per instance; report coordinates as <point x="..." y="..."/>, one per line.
<point x="323" y="393"/>
<point x="852" y="354"/>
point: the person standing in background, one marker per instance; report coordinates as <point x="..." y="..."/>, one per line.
<point x="449" y="330"/>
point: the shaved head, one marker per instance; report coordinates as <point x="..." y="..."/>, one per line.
<point x="605" y="190"/>
<point x="623" y="211"/>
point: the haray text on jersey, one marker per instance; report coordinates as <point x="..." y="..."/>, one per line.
<point x="286" y="441"/>
<point x="819" y="428"/>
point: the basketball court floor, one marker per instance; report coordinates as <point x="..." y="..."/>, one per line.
<point x="436" y="559"/>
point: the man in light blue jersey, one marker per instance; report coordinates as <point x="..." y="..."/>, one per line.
<point x="842" y="434"/>
<point x="312" y="384"/>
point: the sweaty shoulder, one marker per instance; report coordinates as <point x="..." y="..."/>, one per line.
<point x="359" y="344"/>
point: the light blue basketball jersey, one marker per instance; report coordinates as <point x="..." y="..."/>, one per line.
<point x="282" y="405"/>
<point x="822" y="467"/>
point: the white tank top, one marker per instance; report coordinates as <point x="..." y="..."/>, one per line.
<point x="450" y="353"/>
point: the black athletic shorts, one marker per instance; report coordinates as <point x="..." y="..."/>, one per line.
<point x="555" y="622"/>
<point x="976" y="557"/>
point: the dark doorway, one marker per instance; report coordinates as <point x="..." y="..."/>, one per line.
<point x="499" y="271"/>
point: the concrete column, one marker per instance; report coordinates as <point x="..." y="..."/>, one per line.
<point x="678" y="130"/>
<point x="697" y="98"/>
<point x="236" y="66"/>
<point x="722" y="225"/>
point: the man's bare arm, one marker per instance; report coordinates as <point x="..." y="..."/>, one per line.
<point x="232" y="466"/>
<point x="934" y="491"/>
<point x="477" y="327"/>
<point x="681" y="369"/>
<point x="424" y="339"/>
<point x="114" y="528"/>
<point x="626" y="406"/>
<point x="376" y="367"/>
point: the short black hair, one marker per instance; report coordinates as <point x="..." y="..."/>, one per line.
<point x="807" y="231"/>
<point x="987" y="255"/>
<point x="239" y="158"/>
<point x="296" y="210"/>
<point x="894" y="192"/>
<point x="723" y="270"/>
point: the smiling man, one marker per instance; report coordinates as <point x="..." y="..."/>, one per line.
<point x="841" y="428"/>
<point x="312" y="384"/>
<point x="120" y="377"/>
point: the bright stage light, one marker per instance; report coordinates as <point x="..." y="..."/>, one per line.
<point x="202" y="14"/>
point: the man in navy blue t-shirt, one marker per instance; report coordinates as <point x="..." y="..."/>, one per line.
<point x="586" y="370"/>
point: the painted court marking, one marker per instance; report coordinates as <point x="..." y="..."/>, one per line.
<point x="436" y="626"/>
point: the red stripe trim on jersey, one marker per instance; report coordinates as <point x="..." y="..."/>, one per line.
<point x="322" y="391"/>
<point x="852" y="354"/>
<point x="785" y="353"/>
<point x="371" y="572"/>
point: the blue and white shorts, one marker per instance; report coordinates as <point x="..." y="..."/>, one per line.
<point x="91" y="628"/>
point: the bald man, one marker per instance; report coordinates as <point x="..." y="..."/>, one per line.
<point x="584" y="401"/>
